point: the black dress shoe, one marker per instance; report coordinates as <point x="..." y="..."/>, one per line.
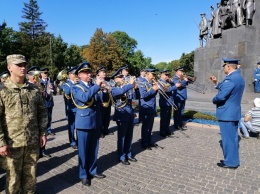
<point x="146" y="147"/>
<point x="152" y="145"/>
<point x="86" y="182"/>
<point x="221" y="161"/>
<point x="184" y="128"/>
<point x="74" y="147"/>
<point x="99" y="176"/>
<point x="163" y="136"/>
<point x="132" y="159"/>
<point x="45" y="155"/>
<point x="52" y="134"/>
<point x="222" y="165"/>
<point x="125" y="162"/>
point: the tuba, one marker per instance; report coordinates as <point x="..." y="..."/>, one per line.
<point x="62" y="76"/>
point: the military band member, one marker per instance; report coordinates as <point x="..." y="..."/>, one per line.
<point x="139" y="79"/>
<point x="103" y="115"/>
<point x="83" y="95"/>
<point x="124" y="117"/>
<point x="32" y="75"/>
<point x="166" y="104"/>
<point x="70" y="106"/>
<point x="180" y="97"/>
<point x="21" y="131"/>
<point x="49" y="88"/>
<point x="4" y="75"/>
<point x="148" y="91"/>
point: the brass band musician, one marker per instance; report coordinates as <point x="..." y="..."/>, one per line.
<point x="124" y="116"/>
<point x="165" y="105"/>
<point x="180" y="97"/>
<point x="148" y="90"/>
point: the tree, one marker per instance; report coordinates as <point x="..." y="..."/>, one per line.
<point x="187" y="61"/>
<point x="72" y="56"/>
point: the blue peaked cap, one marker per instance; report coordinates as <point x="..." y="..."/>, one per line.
<point x="83" y="67"/>
<point x="230" y="61"/>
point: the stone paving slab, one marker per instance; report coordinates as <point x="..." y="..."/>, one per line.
<point x="185" y="163"/>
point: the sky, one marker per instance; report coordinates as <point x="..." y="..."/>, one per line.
<point x="163" y="29"/>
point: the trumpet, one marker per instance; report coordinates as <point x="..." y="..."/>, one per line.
<point x="162" y="90"/>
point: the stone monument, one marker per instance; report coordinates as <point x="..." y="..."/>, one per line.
<point x="242" y="42"/>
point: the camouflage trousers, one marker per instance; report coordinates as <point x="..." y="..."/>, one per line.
<point x="21" y="170"/>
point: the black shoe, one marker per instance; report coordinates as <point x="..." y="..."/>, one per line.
<point x="102" y="135"/>
<point x="132" y="159"/>
<point x="99" y="176"/>
<point x="86" y="182"/>
<point x="52" y="134"/>
<point x="163" y="136"/>
<point x="221" y="161"/>
<point x="152" y="145"/>
<point x="125" y="162"/>
<point x="222" y="165"/>
<point x="146" y="147"/>
<point x="74" y="147"/>
<point x="45" y="155"/>
<point x="184" y="128"/>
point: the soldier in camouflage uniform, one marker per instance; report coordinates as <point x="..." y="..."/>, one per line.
<point x="23" y="124"/>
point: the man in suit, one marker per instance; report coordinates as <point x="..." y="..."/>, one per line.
<point x="83" y="96"/>
<point x="228" y="103"/>
<point x="70" y="107"/>
<point x="148" y="90"/>
<point x="166" y="104"/>
<point x="180" y="97"/>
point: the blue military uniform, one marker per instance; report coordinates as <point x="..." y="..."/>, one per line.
<point x="83" y="95"/>
<point x="48" y="98"/>
<point x="124" y="117"/>
<point x="139" y="80"/>
<point x="257" y="78"/>
<point x="180" y="97"/>
<point x="166" y="106"/>
<point x="228" y="103"/>
<point x="70" y="108"/>
<point x="148" y="110"/>
<point x="104" y="111"/>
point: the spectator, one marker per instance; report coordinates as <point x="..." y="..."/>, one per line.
<point x="253" y="125"/>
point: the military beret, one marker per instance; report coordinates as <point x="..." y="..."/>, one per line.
<point x="101" y="69"/>
<point x="15" y="59"/>
<point x="32" y="70"/>
<point x="85" y="66"/>
<point x="4" y="74"/>
<point x="179" y="69"/>
<point x="230" y="61"/>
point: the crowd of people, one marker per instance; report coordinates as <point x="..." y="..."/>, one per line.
<point x="26" y="103"/>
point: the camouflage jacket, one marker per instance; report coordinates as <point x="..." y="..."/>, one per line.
<point x="23" y="114"/>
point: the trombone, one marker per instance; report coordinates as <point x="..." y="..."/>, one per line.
<point x="197" y="87"/>
<point x="162" y="90"/>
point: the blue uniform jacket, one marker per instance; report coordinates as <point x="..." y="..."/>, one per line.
<point x="181" y="92"/>
<point x="48" y="97"/>
<point x="228" y="99"/>
<point x="85" y="117"/>
<point x="169" y="93"/>
<point x="257" y="73"/>
<point x="122" y="113"/>
<point x="66" y="87"/>
<point x="148" y="97"/>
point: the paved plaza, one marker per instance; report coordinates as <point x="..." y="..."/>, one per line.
<point x="184" y="163"/>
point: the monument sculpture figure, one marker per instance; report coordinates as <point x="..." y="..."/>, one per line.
<point x="215" y="22"/>
<point x="203" y="29"/>
<point x="249" y="7"/>
<point x="226" y="16"/>
<point x="237" y="13"/>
